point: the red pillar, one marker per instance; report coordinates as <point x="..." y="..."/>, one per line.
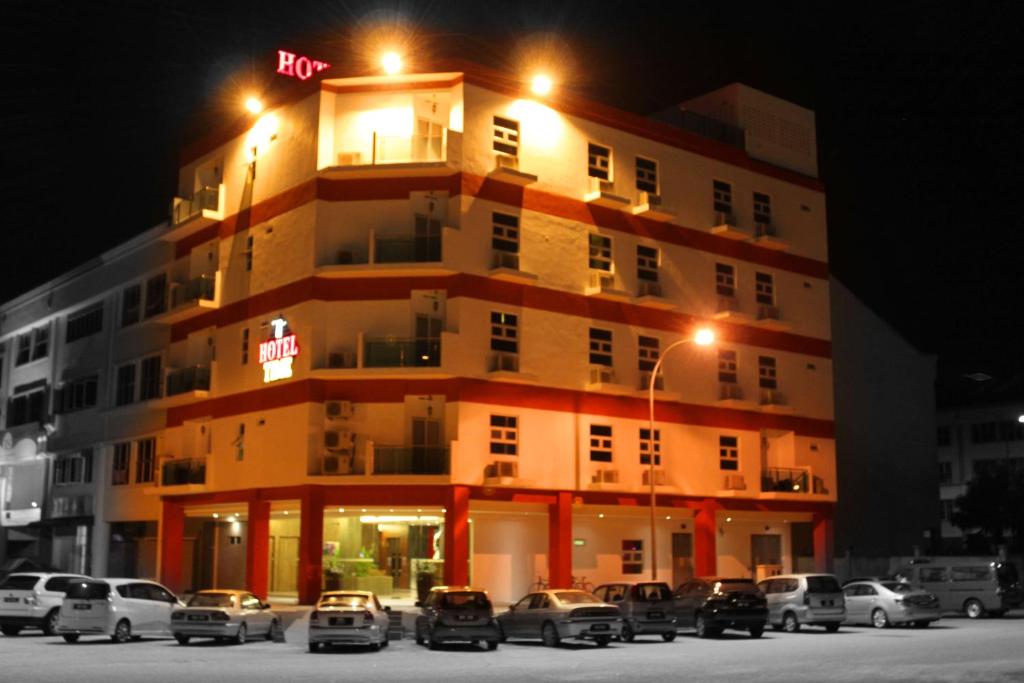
<point x="456" y="537"/>
<point x="823" y="543"/>
<point x="560" y="541"/>
<point x="172" y="541"/>
<point x="705" y="536"/>
<point x="257" y="548"/>
<point x="311" y="546"/>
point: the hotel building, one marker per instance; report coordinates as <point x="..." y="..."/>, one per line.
<point x="401" y="329"/>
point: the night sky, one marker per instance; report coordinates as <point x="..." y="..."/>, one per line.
<point x="919" y="109"/>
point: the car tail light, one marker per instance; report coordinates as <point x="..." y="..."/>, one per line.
<point x="219" y="616"/>
<point x="177" y="616"/>
<point x="314" y="616"/>
<point x="31" y="600"/>
<point x="368" y="616"/>
<point x="807" y="599"/>
<point x="898" y="599"/>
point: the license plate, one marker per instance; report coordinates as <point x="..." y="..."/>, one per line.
<point x="743" y="604"/>
<point x="827" y="603"/>
<point x="599" y="627"/>
<point x="12" y="599"/>
<point x="341" y="621"/>
<point x="197" y="617"/>
<point x="81" y="606"/>
<point x="655" y="615"/>
<point x="467" y="617"/>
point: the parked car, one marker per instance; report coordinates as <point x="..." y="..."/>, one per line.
<point x="646" y="608"/>
<point x="120" y="608"/>
<point x="556" y="615"/>
<point x="457" y="614"/>
<point x="884" y="603"/>
<point x="796" y="600"/>
<point x="858" y="579"/>
<point x="32" y="600"/>
<point x="348" y="618"/>
<point x="234" y="615"/>
<point x="712" y="604"/>
<point x="976" y="587"/>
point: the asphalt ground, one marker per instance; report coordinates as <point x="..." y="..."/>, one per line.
<point x="953" y="649"/>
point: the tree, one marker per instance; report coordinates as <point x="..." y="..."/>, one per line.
<point x="993" y="505"/>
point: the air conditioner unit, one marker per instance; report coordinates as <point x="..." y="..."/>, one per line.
<point x="645" y="381"/>
<point x="342" y="359"/>
<point x="734" y="482"/>
<point x="350" y="158"/>
<point x="766" y="312"/>
<point x="505" y="259"/>
<point x="507" y="161"/>
<point x="730" y="391"/>
<point x="649" y="198"/>
<point x="602" y="281"/>
<point x="504" y="362"/>
<point x="501" y="469"/>
<point x="659" y="478"/>
<point x="764" y="229"/>
<point x="724" y="218"/>
<point x="649" y="288"/>
<point x="602" y="374"/>
<point x="338" y="410"/>
<point x="604" y="476"/>
<point x="339" y="441"/>
<point x="728" y="304"/>
<point x="771" y="397"/>
<point x="335" y="463"/>
<point x="602" y="186"/>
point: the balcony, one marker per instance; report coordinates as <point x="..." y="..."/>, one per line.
<point x="602" y="193"/>
<point x="730" y="395"/>
<point x="416" y="460"/>
<point x="191" y="214"/>
<point x="191" y="298"/>
<point x="394" y="352"/>
<point x="506" y="170"/>
<point x="766" y="235"/>
<point x="728" y="309"/>
<point x="381" y="156"/>
<point x="785" y="480"/>
<point x="650" y="206"/>
<point x="650" y="294"/>
<point x="769" y="317"/>
<point x="408" y="249"/>
<point x="183" y="475"/>
<point x="724" y="225"/>
<point x="601" y="285"/>
<point x="505" y="266"/>
<point x="392" y="254"/>
<point x="773" y="401"/>
<point x="185" y="384"/>
<point x="602" y="378"/>
<point x="505" y="367"/>
<point x="604" y="479"/>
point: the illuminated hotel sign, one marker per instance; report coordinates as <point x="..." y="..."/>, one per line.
<point x="298" y="66"/>
<point x="276" y="354"/>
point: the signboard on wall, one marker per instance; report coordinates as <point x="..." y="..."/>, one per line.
<point x="298" y="66"/>
<point x="278" y="352"/>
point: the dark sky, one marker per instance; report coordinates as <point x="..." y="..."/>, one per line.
<point x="919" y="108"/>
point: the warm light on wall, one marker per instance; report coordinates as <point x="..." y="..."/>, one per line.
<point x="541" y="125"/>
<point x="704" y="337"/>
<point x="263" y="132"/>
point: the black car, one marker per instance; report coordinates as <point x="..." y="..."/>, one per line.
<point x="712" y="604"/>
<point x="457" y="614"/>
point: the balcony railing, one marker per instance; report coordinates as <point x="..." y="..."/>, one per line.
<point x="182" y="472"/>
<point x="784" y="480"/>
<point x="194" y="378"/>
<point x="399" y="149"/>
<point x="411" y="460"/>
<point x="202" y="287"/>
<point x="391" y="352"/>
<point x="186" y="208"/>
<point x="707" y="127"/>
<point x="408" y="249"/>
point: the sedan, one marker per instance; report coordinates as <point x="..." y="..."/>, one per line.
<point x="884" y="603"/>
<point x="556" y="615"/>
<point x="348" y="618"/>
<point x="232" y="615"/>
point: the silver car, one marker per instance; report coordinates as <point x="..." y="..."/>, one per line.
<point x="223" y="615"/>
<point x="556" y="615"/>
<point x="796" y="600"/>
<point x="124" y="609"/>
<point x="348" y="618"/>
<point x="884" y="603"/>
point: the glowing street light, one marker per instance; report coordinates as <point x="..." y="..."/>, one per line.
<point x="541" y="84"/>
<point x="392" y="63"/>
<point x="253" y="105"/>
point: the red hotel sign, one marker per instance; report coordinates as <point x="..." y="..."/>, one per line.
<point x="276" y="354"/>
<point x="298" y="66"/>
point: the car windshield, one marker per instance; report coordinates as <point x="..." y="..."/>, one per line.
<point x="344" y="600"/>
<point x="1007" y="574"/>
<point x="897" y="587"/>
<point x="576" y="598"/>
<point x="88" y="590"/>
<point x="822" y="584"/>
<point x="465" y="600"/>
<point x="734" y="586"/>
<point x="19" y="582"/>
<point x="652" y="592"/>
<point x="212" y="600"/>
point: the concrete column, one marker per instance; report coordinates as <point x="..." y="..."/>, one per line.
<point x="257" y="548"/>
<point x="705" y="537"/>
<point x="560" y="541"/>
<point x="172" y="541"/>
<point x="823" y="542"/>
<point x="456" y="537"/>
<point x="311" y="544"/>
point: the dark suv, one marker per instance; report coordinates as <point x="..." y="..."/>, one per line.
<point x="646" y="608"/>
<point x="713" y="604"/>
<point x="457" y="614"/>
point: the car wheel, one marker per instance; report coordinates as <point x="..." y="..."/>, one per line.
<point x="492" y="645"/>
<point x="313" y="647"/>
<point x="974" y="609"/>
<point x="182" y="640"/>
<point x="790" y="624"/>
<point x="272" y="630"/>
<point x="549" y="634"/>
<point x="433" y="644"/>
<point x="242" y="635"/>
<point x="501" y="634"/>
<point x="122" y="632"/>
<point x="879" y="619"/>
<point x="669" y="636"/>
<point x="756" y="631"/>
<point x="700" y="625"/>
<point x="70" y="637"/>
<point x="10" y="631"/>
<point x="50" y="623"/>
<point x="602" y="641"/>
<point x="375" y="647"/>
<point x="627" y="633"/>
<point x="832" y="628"/>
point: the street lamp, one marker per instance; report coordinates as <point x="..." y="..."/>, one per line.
<point x="703" y="337"/>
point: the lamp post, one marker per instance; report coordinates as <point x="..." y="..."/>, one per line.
<point x="704" y="337"/>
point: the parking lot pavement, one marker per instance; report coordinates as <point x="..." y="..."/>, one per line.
<point x="953" y="649"/>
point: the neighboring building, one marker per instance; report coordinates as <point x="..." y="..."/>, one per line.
<point x="407" y="328"/>
<point x="885" y="446"/>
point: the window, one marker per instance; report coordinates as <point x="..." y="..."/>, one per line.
<point x="991" y="432"/>
<point x="601" y="443"/>
<point x="125" y="386"/>
<point x="980" y="572"/>
<point x="77" y="394"/>
<point x="600" y="252"/>
<point x="504" y="435"/>
<point x="84" y="323"/>
<point x="505" y="232"/>
<point x="945" y="472"/>
<point x="156" y="295"/>
<point x="647" y="175"/>
<point x="727" y="366"/>
<point x="647" y="263"/>
<point x="131" y="304"/>
<point x="766" y="375"/>
<point x="145" y="461"/>
<point x="599" y="161"/>
<point x="645" y="446"/>
<point x="934" y="574"/>
<point x="762" y="209"/>
<point x="946" y="511"/>
<point x="648" y="349"/>
<point x="248" y="253"/>
<point x="245" y="346"/>
<point x="722" y="196"/>
<point x="28" y="407"/>
<point x="121" y="464"/>
<point x="24" y="354"/>
<point x="506" y="136"/>
<point x="73" y="468"/>
<point x="943" y="435"/>
<point x="725" y="279"/>
<point x="764" y="285"/>
<point x="504" y="332"/>
<point x="728" y="453"/>
<point x="40" y="342"/>
<point x="600" y="347"/>
<point x="151" y="379"/>
<point x="632" y="557"/>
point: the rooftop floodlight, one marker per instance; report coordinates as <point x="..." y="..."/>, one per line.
<point x="253" y="105"/>
<point x="541" y="84"/>
<point x="392" y="63"/>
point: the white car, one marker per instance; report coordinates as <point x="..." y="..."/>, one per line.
<point x="223" y="615"/>
<point x="32" y="600"/>
<point x="348" y="618"/>
<point x="124" y="609"/>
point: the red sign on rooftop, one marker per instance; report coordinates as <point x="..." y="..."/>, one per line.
<point x="298" y="66"/>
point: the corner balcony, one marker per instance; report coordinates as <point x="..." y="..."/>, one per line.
<point x="724" y="225"/>
<point x="396" y="352"/>
<point x="792" y="481"/>
<point x="192" y="298"/>
<point x="393" y="253"/>
<point x="189" y="215"/>
<point x="180" y="475"/>
<point x="383" y="156"/>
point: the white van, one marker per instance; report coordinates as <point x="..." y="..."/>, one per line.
<point x="124" y="609"/>
<point x="32" y="600"/>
